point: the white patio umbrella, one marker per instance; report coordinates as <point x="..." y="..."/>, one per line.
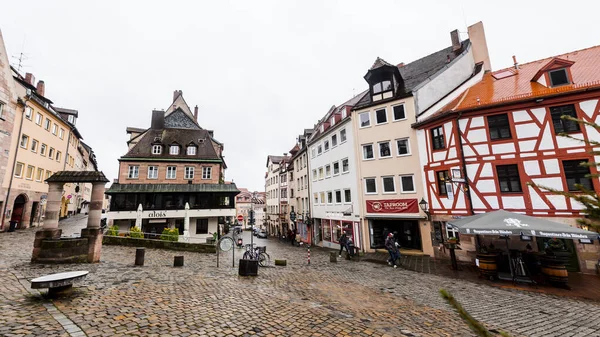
<point x="138" y="218"/>
<point x="186" y="223"/>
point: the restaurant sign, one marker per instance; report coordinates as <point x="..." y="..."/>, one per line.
<point x="393" y="206"/>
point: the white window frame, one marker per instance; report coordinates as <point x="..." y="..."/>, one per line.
<point x="156" y="149"/>
<point x="49" y="122"/>
<point x="365" y="184"/>
<point x="364" y="154"/>
<point x="71" y="119"/>
<point x="333" y="168"/>
<point x="191" y="150"/>
<point x="153" y="169"/>
<point x="43" y="149"/>
<point x="58" y="156"/>
<point x="26" y="138"/>
<point x="19" y="173"/>
<point x="326" y="145"/>
<point x="345" y="137"/>
<point x="330" y="201"/>
<point x="450" y="230"/>
<point x="379" y="149"/>
<point x="28" y="111"/>
<point x="386" y="116"/>
<point x="34" y="145"/>
<point x="133" y="172"/>
<point x="315" y="176"/>
<point x="360" y="126"/>
<point x="334" y="141"/>
<point x="39" y="177"/>
<point x="206" y="172"/>
<point x="321" y="173"/>
<point x="174" y="150"/>
<point x="345" y="200"/>
<point x="319" y="150"/>
<point x="51" y="153"/>
<point x="313" y="152"/>
<point x="322" y="198"/>
<point x="383" y="185"/>
<point x="342" y="165"/>
<point x="27" y="172"/>
<point x="173" y="170"/>
<point x="402" y="185"/>
<point x="55" y="129"/>
<point x="328" y="175"/>
<point x="335" y="199"/>
<point x="398" y="154"/>
<point x="61" y="133"/>
<point x="394" y="116"/>
<point x="316" y="198"/>
<point x="39" y="118"/>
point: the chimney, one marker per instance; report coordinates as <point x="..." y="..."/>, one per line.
<point x="515" y="62"/>
<point x="455" y="40"/>
<point x="196" y="113"/>
<point x="401" y="65"/>
<point x="41" y="88"/>
<point x="175" y="94"/>
<point x="29" y="78"/>
<point x="479" y="45"/>
<point x="158" y="120"/>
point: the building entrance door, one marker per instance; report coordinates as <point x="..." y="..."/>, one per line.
<point x="18" y="208"/>
<point x="34" y="213"/>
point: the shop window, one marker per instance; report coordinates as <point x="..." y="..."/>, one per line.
<point x="577" y="174"/>
<point x="437" y="138"/>
<point x="326" y="224"/>
<point x="381" y="116"/>
<point x="564" y="125"/>
<point x="442" y="178"/>
<point x="499" y="127"/>
<point x="201" y="226"/>
<point x="508" y="178"/>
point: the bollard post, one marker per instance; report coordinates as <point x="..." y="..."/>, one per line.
<point x="333" y="257"/>
<point x="139" y="256"/>
<point x="178" y="261"/>
<point x="308" y="247"/>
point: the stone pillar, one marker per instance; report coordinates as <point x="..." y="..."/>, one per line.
<point x="95" y="207"/>
<point x="50" y="229"/>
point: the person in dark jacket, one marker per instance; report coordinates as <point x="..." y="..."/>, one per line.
<point x="392" y="248"/>
<point x="343" y="242"/>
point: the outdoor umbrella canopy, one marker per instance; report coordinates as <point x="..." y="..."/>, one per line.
<point x="507" y="223"/>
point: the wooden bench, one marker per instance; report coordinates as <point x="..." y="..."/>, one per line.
<point x="58" y="283"/>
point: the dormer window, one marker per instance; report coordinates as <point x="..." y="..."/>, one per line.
<point x="333" y="120"/>
<point x="156" y="149"/>
<point x="558" y="77"/>
<point x="382" y="87"/>
<point x="71" y="119"/>
<point x="191" y="150"/>
<point x="174" y="149"/>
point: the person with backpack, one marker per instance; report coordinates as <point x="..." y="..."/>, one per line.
<point x="392" y="248"/>
<point x="343" y="241"/>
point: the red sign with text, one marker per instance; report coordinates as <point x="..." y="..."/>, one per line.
<point x="393" y="206"/>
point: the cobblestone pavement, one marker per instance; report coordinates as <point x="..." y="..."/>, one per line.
<point x="324" y="299"/>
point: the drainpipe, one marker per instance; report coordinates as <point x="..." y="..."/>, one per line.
<point x="464" y="165"/>
<point x="12" y="175"/>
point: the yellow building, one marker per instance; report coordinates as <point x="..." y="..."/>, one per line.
<point x="43" y="143"/>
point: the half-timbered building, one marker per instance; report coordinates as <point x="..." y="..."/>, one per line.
<point x="482" y="149"/>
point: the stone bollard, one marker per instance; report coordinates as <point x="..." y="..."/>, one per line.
<point x="333" y="257"/>
<point x="178" y="261"/>
<point x="282" y="263"/>
<point x="139" y="256"/>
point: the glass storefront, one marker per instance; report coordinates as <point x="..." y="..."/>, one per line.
<point x="406" y="233"/>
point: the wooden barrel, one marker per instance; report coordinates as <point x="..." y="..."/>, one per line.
<point x="556" y="273"/>
<point x="488" y="266"/>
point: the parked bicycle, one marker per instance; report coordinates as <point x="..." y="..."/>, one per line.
<point x="257" y="253"/>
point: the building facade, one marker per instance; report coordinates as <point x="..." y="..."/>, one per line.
<point x="483" y="149"/>
<point x="173" y="177"/>
<point x="8" y="113"/>
<point x="248" y="201"/>
<point x="275" y="164"/>
<point x="334" y="201"/>
<point x="389" y="170"/>
<point x="301" y="197"/>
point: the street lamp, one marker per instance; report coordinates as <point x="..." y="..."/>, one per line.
<point x="425" y="208"/>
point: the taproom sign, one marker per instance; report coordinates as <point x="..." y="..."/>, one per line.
<point x="393" y="206"/>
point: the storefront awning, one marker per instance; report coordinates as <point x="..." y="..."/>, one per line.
<point x="507" y="223"/>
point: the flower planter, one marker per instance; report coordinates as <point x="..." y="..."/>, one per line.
<point x="554" y="268"/>
<point x="488" y="265"/>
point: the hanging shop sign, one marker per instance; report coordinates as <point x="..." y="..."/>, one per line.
<point x="393" y="206"/>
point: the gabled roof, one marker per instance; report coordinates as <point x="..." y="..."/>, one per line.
<point x="333" y="110"/>
<point x="275" y="159"/>
<point x="420" y="70"/>
<point x="555" y="63"/>
<point x="379" y="62"/>
<point x="494" y="90"/>
<point x="179" y="102"/>
<point x="178" y="118"/>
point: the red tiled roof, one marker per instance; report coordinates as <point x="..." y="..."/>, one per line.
<point x="508" y="85"/>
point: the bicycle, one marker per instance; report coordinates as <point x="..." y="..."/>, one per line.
<point x="258" y="253"/>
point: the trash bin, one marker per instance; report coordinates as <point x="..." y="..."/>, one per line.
<point x="13" y="226"/>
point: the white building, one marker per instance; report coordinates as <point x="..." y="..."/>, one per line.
<point x="333" y="178"/>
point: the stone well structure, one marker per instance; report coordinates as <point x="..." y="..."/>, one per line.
<point x="48" y="246"/>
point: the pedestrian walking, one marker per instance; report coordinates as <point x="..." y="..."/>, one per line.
<point x="343" y="242"/>
<point x="392" y="247"/>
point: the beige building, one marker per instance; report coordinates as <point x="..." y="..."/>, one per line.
<point x="389" y="169"/>
<point x="274" y="219"/>
<point x="41" y="139"/>
<point x="299" y="193"/>
<point x="8" y="110"/>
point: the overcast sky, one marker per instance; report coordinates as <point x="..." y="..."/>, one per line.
<point x="260" y="71"/>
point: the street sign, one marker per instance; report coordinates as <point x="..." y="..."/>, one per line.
<point x="240" y="217"/>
